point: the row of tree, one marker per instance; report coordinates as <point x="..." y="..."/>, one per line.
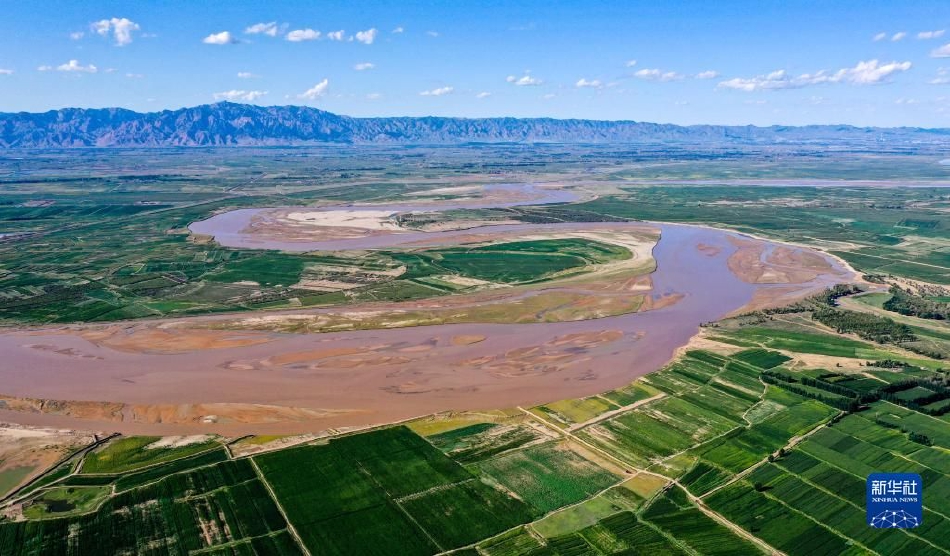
<point x="870" y="327"/>
<point x="906" y="303"/>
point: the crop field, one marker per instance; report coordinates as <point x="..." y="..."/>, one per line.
<point x="512" y="262"/>
<point x="532" y="484"/>
<point x="548" y="476"/>
<point x="131" y="453"/>
<point x="221" y="504"/>
<point x="773" y="423"/>
<point x="408" y="496"/>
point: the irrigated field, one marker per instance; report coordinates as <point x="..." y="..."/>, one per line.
<point x="755" y="439"/>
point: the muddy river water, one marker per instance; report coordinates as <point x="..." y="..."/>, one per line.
<point x="376" y="376"/>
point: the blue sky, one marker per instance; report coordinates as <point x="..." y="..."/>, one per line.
<point x="685" y="62"/>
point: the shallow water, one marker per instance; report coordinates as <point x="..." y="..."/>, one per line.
<point x="424" y="373"/>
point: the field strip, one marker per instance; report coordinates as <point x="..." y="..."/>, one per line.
<point x="702" y="507"/>
<point x="851" y="503"/>
<point x="583" y="442"/>
<point x="608" y="414"/>
<point x="156" y="464"/>
<point x="290" y="526"/>
<point x="215" y="547"/>
<point x="818" y="523"/>
<point x="903" y="261"/>
<point x="792" y="442"/>
<point x="739" y="531"/>
<point x="902" y="456"/>
<point x="398" y="505"/>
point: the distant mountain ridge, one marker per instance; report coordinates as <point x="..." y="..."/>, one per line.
<point x="230" y="124"/>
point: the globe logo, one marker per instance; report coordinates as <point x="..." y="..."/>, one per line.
<point x="895" y="500"/>
<point x="894" y="518"/>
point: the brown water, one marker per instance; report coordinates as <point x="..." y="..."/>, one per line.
<point x="411" y="371"/>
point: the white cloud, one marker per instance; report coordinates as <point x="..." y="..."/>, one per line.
<point x="121" y="29"/>
<point x="631" y="63"/>
<point x="880" y="37"/>
<point x="367" y="36"/>
<point x="483" y="94"/>
<point x="549" y="96"/>
<point x="235" y="94"/>
<point x="708" y="74"/>
<point x="247" y="75"/>
<point x="524" y="81"/>
<point x="374" y="96"/>
<point x="898" y="36"/>
<point x="300" y="35"/>
<point x="134" y="75"/>
<point x="654" y="74"/>
<point x="77" y="35"/>
<point x="942" y="52"/>
<point x="925" y="35"/>
<point x="6" y="71"/>
<point x="432" y="34"/>
<point x="592" y="84"/>
<point x="335" y="35"/>
<point x="398" y="30"/>
<point x="363" y="66"/>
<point x="71" y="66"/>
<point x="315" y="92"/>
<point x="870" y="72"/>
<point x="224" y="37"/>
<point x="943" y="77"/>
<point x="269" y="29"/>
<point x="438" y="92"/>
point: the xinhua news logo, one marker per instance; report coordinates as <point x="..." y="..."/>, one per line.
<point x="895" y="500"/>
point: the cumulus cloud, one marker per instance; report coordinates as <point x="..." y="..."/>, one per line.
<point x="898" y="36"/>
<point x="235" y="94"/>
<point x="367" y="36"/>
<point x="942" y="52"/>
<point x="300" y="35"/>
<point x="880" y="37"/>
<point x="708" y="74"/>
<point x="870" y="72"/>
<point x="483" y="94"/>
<point x="630" y="63"/>
<point x="653" y="74"/>
<point x="335" y="35"/>
<point x="925" y="35"/>
<point x="269" y="29"/>
<point x="77" y="35"/>
<point x="72" y="66"/>
<point x="121" y="29"/>
<point x="438" y="92"/>
<point x="524" y="81"/>
<point x="398" y="30"/>
<point x="6" y="71"/>
<point x="363" y="66"/>
<point x="315" y="92"/>
<point x="591" y="84"/>
<point x="247" y="75"/>
<point x="134" y="75"/>
<point x="224" y="37"/>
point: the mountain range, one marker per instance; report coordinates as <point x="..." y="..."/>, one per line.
<point x="231" y="124"/>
